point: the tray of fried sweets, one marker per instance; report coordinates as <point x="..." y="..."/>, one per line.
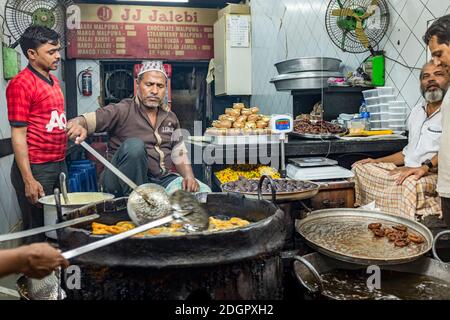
<point x="276" y="190"/>
<point x="365" y="237"/>
<point x="317" y="129"/>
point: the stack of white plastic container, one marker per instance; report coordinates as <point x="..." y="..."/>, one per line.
<point x="385" y="112"/>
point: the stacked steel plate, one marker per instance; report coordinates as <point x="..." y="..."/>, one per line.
<point x="306" y="73"/>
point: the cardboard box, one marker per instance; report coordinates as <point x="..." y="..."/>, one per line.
<point x="233" y="8"/>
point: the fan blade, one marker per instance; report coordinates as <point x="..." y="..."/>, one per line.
<point x="366" y="15"/>
<point x="370" y="9"/>
<point x="345" y="12"/>
<point x="361" y="34"/>
<point x="340" y="4"/>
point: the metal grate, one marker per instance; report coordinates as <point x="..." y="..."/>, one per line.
<point x="118" y="81"/>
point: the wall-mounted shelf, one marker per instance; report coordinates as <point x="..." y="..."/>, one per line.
<point x="335" y="100"/>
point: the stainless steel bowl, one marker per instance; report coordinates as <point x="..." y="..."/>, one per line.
<point x="303" y="80"/>
<point x="308" y="64"/>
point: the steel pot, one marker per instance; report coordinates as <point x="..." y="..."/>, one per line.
<point x="76" y="199"/>
<point x="309" y="269"/>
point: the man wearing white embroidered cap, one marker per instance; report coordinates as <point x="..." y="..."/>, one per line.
<point x="155" y="69"/>
<point x="144" y="143"/>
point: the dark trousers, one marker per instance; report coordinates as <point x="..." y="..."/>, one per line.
<point x="132" y="160"/>
<point x="445" y="202"/>
<point x="47" y="174"/>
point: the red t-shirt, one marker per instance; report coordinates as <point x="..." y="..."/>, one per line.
<point x="38" y="103"/>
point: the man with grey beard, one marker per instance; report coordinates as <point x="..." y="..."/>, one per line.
<point x="417" y="159"/>
<point x="144" y="138"/>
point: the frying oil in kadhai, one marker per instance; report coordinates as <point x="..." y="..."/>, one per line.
<point x="352" y="285"/>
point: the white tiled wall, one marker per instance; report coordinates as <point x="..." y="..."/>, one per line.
<point x="9" y="208"/>
<point x="287" y="29"/>
<point x="89" y="103"/>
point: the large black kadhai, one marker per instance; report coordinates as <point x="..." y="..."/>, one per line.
<point x="242" y="263"/>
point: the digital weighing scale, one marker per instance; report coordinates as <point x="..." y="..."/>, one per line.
<point x="316" y="168"/>
<point x="313" y="162"/>
<point x="282" y="124"/>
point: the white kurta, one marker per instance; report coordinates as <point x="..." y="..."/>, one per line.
<point x="443" y="185"/>
<point x="424" y="136"/>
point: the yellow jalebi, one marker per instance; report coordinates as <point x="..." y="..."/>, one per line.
<point x="247" y="171"/>
<point x="122" y="226"/>
<point x="218" y="224"/>
<point x="173" y="229"/>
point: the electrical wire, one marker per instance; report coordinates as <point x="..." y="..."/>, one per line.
<point x="4" y="29"/>
<point x="393" y="60"/>
<point x="402" y="64"/>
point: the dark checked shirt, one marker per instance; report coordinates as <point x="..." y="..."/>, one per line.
<point x="127" y="119"/>
<point x="38" y="103"/>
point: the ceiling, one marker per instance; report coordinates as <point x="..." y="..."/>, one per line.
<point x="191" y="3"/>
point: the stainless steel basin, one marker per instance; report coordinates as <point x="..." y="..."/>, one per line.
<point x="308" y="64"/>
<point x="303" y="80"/>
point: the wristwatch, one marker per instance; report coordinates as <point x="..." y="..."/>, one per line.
<point x="428" y="163"/>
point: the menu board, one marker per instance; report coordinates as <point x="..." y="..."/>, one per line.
<point x="142" y="32"/>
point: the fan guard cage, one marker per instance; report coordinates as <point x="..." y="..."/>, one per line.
<point x="119" y="84"/>
<point x="20" y="14"/>
<point x="352" y="43"/>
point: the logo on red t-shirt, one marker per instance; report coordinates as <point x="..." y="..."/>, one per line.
<point x="56" y="120"/>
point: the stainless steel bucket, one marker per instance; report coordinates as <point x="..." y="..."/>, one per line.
<point x="77" y="200"/>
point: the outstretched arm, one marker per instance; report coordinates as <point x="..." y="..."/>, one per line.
<point x="36" y="260"/>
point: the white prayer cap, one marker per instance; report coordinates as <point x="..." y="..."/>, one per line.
<point x="152" y="65"/>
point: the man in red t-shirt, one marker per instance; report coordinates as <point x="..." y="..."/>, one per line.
<point x="39" y="129"/>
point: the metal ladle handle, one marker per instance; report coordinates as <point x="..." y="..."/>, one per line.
<point x="440" y="234"/>
<point x="272" y="187"/>
<point x="63" y="186"/>
<point x="314" y="272"/>
<point x="58" y="204"/>
<point x="109" y="165"/>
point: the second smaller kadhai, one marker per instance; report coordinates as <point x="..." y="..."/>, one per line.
<point x="346" y="235"/>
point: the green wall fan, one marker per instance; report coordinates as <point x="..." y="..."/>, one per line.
<point x="357" y="26"/>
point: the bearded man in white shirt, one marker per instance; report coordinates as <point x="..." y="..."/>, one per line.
<point x="401" y="183"/>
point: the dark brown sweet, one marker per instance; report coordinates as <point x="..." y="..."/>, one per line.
<point x="305" y="126"/>
<point x="400" y="227"/>
<point x="372" y="226"/>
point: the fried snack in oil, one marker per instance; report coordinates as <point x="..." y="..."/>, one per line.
<point x="218" y="224"/>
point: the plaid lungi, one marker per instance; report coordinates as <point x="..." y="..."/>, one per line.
<point x="414" y="199"/>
